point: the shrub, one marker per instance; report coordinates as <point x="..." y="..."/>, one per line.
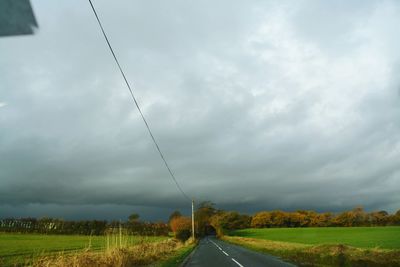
<point x="181" y="226"/>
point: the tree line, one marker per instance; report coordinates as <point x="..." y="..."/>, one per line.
<point x="304" y="218"/>
<point x="210" y="220"/>
<point x="225" y="221"/>
<point x="83" y="227"/>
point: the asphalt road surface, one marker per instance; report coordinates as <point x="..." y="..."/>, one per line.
<point x="212" y="252"/>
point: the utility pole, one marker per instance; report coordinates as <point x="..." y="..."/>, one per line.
<point x="120" y="234"/>
<point x="193" y="219"/>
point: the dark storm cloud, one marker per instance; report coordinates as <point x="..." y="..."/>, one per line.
<point x="256" y="105"/>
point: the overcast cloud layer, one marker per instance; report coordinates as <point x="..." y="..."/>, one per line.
<point x="256" y="105"/>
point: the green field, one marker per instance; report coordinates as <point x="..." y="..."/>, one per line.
<point x="362" y="237"/>
<point x="18" y="247"/>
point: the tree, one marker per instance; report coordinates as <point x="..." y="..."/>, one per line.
<point x="174" y="215"/>
<point x="261" y="220"/>
<point x="321" y="219"/>
<point x="379" y="218"/>
<point x="203" y="216"/>
<point x="360" y="218"/>
<point x="279" y="218"/>
<point x="355" y="217"/>
<point x="230" y="220"/>
<point x="181" y="226"/>
<point x="396" y="218"/>
<point x="133" y="218"/>
<point x="297" y="219"/>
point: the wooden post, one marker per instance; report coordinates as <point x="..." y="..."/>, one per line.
<point x="193" y="219"/>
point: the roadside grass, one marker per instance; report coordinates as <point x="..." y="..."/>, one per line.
<point x="144" y="254"/>
<point x="178" y="257"/>
<point x="22" y="248"/>
<point x="320" y="255"/>
<point x="323" y="247"/>
<point x="362" y="237"/>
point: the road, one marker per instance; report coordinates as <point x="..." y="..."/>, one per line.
<point x="212" y="252"/>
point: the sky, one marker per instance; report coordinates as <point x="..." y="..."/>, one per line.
<point x="257" y="105"/>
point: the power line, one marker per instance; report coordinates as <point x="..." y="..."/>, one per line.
<point x="137" y="105"/>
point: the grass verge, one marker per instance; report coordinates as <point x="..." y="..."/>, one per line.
<point x="145" y="254"/>
<point x="178" y="257"/>
<point x="321" y="255"/>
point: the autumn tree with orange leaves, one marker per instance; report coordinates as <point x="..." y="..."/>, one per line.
<point x="181" y="226"/>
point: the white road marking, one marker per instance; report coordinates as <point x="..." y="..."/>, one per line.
<point x="237" y="262"/>
<point x="226" y="254"/>
<point x="215" y="244"/>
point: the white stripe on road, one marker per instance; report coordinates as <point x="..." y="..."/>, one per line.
<point x="237" y="262"/>
<point x="215" y="244"/>
<point x="226" y="254"/>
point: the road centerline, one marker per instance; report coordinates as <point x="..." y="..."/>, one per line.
<point x="215" y="244"/>
<point x="235" y="261"/>
<point x="207" y="255"/>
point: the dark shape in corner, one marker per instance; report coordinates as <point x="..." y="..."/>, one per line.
<point x="16" y="18"/>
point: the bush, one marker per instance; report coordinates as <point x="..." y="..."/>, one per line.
<point x="181" y="226"/>
<point x="183" y="234"/>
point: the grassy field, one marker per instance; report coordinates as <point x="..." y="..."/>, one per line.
<point x="361" y="237"/>
<point x="19" y="247"/>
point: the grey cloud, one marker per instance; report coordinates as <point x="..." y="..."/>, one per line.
<point x="253" y="105"/>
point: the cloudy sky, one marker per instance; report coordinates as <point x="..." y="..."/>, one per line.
<point x="256" y="105"/>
